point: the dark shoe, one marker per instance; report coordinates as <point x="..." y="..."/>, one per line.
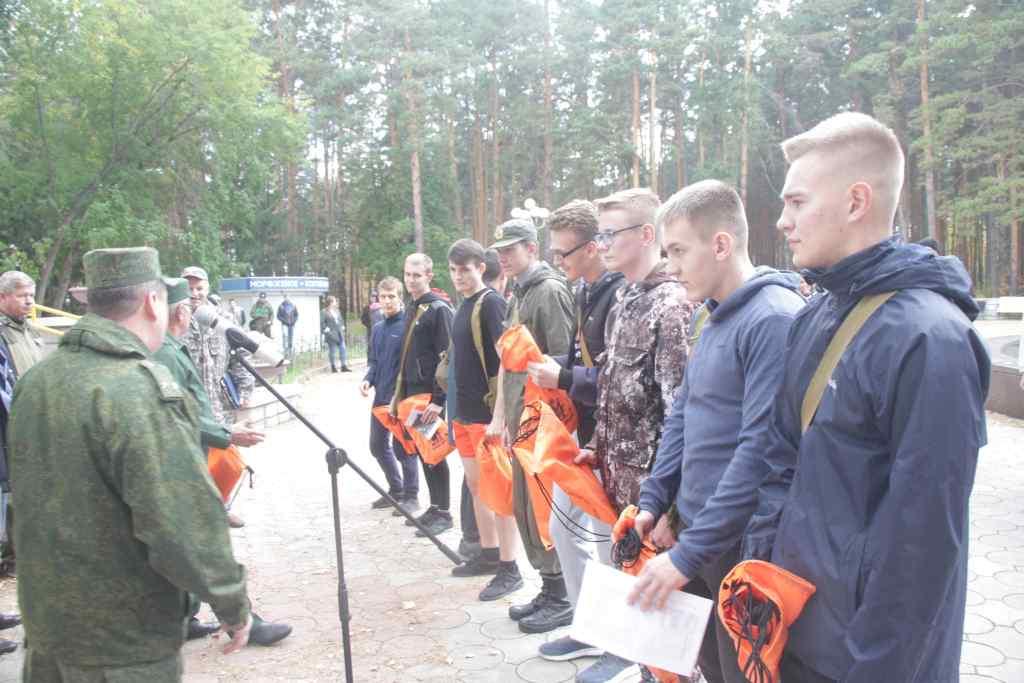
<point x="554" y="613"/>
<point x="7" y="647"/>
<point x="380" y="504"/>
<point x="334" y="369"/>
<point x="266" y="633"/>
<point x="345" y="368"/>
<point x="478" y="566"/>
<point x="425" y="517"/>
<point x="410" y="505"/>
<point x="565" y="648"/>
<point x="234" y="521"/>
<point x="197" y="629"/>
<point x="9" y="620"/>
<point x="607" y="668"/>
<point x="469" y="549"/>
<point x="507" y="580"/>
<point x="517" y="612"/>
<point x="439" y="523"/>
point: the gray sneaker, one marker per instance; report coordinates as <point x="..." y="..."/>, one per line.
<point x="608" y="669"/>
<point x="565" y="648"/>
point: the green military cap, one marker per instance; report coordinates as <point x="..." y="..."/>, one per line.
<point x="177" y="290"/>
<point x="110" y="268"/>
<point x="515" y="230"/>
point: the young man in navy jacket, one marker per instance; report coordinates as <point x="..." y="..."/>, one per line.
<point x="869" y="502"/>
<point x="715" y="434"/>
<point x="400" y="469"/>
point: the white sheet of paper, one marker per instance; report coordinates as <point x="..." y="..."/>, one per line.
<point x="668" y="639"/>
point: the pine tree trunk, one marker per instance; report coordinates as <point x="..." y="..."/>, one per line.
<point x="480" y="231"/>
<point x="680" y="140"/>
<point x="700" y="135"/>
<point x="453" y="163"/>
<point x="926" y="123"/>
<point x="414" y="153"/>
<point x="496" y="194"/>
<point x="549" y="143"/>
<point x="1014" y="274"/>
<point x="745" y="141"/>
<point x="636" y="127"/>
<point x="653" y="125"/>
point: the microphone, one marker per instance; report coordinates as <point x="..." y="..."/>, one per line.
<point x="262" y="348"/>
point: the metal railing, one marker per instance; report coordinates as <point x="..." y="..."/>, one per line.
<point x="53" y="312"/>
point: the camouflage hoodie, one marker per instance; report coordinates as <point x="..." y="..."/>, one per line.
<point x="117" y="515"/>
<point x="641" y="368"/>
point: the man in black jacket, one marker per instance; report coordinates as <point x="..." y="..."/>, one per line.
<point x="573" y="249"/>
<point x="428" y="324"/>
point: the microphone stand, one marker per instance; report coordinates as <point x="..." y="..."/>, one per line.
<point x="336" y="459"/>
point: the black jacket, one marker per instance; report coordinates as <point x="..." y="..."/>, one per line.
<point x="430" y="336"/>
<point x="594" y="311"/>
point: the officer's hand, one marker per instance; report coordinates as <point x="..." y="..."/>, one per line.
<point x="545" y="373"/>
<point x="658" y="579"/>
<point x="364" y="389"/>
<point x="662" y="536"/>
<point x="245" y="435"/>
<point x="430" y="413"/>
<point x="239" y="635"/>
<point x="586" y="456"/>
<point x="643" y="523"/>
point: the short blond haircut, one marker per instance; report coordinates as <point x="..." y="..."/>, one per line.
<point x="709" y="206"/>
<point x="640" y="203"/>
<point x="864" y="146"/>
<point x="421" y="259"/>
<point x="391" y="284"/>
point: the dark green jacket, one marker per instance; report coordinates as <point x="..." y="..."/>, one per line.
<point x="175" y="357"/>
<point x="118" y="517"/>
<point x="543" y="303"/>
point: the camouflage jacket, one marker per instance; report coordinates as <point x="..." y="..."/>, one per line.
<point x="210" y="353"/>
<point x="118" y="517"/>
<point x="643" y="365"/>
<point x="22" y="341"/>
<point x="174" y="356"/>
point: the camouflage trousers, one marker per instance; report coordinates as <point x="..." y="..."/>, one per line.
<point x="40" y="667"/>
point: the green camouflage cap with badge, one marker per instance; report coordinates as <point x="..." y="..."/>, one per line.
<point x="177" y="290"/>
<point x="515" y="230"/>
<point x="112" y="268"/>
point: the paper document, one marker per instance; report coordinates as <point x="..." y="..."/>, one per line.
<point x="427" y="429"/>
<point x="668" y="638"/>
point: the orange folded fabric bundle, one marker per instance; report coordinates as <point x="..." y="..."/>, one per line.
<point x="393" y="425"/>
<point x="518" y="349"/>
<point x="630" y="555"/>
<point x="757" y="603"/>
<point x="226" y="467"/>
<point x="432" y="450"/>
<point x="495" y="476"/>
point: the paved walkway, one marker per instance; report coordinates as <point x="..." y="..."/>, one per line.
<point x="412" y="622"/>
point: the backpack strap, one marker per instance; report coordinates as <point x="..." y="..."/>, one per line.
<point x="478" y="331"/>
<point x="834" y="352"/>
<point x="588" y="360"/>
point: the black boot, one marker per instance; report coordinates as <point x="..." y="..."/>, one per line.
<point x="554" y="612"/>
<point x="517" y="612"/>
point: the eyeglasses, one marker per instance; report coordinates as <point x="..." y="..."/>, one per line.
<point x="557" y="256"/>
<point x="605" y="239"/>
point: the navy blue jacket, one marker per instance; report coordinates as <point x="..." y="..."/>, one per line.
<point x="384" y="356"/>
<point x="716" y="433"/>
<point x="878" y="486"/>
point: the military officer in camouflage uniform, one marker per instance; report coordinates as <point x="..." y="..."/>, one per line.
<point x="119" y="519"/>
<point x="211" y="354"/>
<point x="17" y="295"/>
<point x="173" y="355"/>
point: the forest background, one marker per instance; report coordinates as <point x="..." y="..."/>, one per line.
<point x="335" y="136"/>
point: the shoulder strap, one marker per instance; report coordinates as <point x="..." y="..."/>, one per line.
<point x="478" y="331"/>
<point x="168" y="388"/>
<point x="588" y="360"/>
<point x="697" y="325"/>
<point x="834" y="352"/>
<point x="405" y="349"/>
